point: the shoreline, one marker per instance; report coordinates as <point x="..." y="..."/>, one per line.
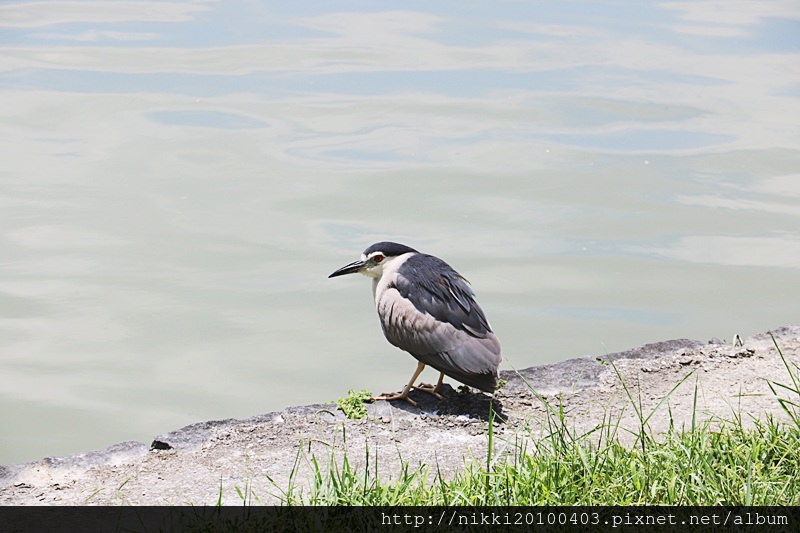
<point x="201" y="462"/>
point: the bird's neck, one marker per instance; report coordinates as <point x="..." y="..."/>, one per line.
<point x="388" y="275"/>
<point x="375" y="282"/>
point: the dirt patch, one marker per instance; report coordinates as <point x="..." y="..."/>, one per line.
<point x="203" y="462"/>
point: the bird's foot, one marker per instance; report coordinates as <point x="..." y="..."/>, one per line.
<point x="430" y="389"/>
<point x="389" y="396"/>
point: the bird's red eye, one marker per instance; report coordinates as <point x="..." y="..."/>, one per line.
<point x="378" y="258"/>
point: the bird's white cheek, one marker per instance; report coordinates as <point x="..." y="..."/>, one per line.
<point x="373" y="272"/>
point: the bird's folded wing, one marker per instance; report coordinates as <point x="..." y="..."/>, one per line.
<point x="433" y="287"/>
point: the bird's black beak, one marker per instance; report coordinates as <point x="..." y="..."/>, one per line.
<point x="351" y="268"/>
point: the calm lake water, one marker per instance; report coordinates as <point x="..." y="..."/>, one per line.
<point x="179" y="178"/>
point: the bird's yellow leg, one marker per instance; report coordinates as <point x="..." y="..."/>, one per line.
<point x="403" y="395"/>
<point x="424" y="387"/>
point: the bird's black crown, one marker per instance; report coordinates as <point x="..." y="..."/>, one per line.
<point x="389" y="249"/>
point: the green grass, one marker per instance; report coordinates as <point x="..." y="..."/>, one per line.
<point x="711" y="463"/>
<point x="353" y="405"/>
<point x="728" y="465"/>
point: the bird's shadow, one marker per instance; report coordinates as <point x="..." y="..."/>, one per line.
<point x="462" y="401"/>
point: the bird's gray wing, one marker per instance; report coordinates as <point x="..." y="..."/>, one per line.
<point x="458" y="353"/>
<point x="433" y="287"/>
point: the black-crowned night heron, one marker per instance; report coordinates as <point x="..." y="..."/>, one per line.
<point x="428" y="309"/>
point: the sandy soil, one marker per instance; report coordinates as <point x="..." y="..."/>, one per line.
<point x="195" y="464"/>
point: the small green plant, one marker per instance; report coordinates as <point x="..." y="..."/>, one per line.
<point x="352" y="405"/>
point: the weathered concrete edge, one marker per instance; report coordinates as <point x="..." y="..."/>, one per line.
<point x="570" y="375"/>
